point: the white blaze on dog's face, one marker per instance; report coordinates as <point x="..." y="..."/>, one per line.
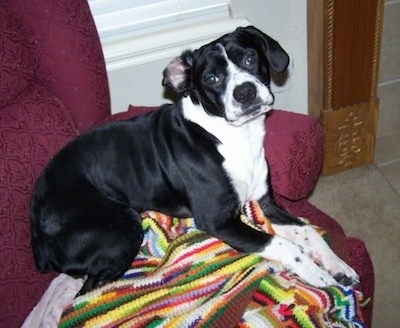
<point x="245" y="95"/>
<point x="229" y="77"/>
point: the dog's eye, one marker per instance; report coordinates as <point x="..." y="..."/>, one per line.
<point x="250" y="59"/>
<point x="211" y="79"/>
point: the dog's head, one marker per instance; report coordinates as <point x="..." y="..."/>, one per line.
<point x="229" y="77"/>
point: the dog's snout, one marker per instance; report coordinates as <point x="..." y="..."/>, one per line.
<point x="245" y="93"/>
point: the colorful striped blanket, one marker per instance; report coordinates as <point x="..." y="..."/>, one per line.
<point x="183" y="277"/>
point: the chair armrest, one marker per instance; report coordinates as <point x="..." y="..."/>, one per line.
<point x="294" y="145"/>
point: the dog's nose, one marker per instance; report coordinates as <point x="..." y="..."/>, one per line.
<point x="245" y="92"/>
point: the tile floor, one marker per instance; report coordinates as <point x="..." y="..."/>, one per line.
<point x="387" y="159"/>
<point x="387" y="149"/>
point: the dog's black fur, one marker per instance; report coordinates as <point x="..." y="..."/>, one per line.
<point x="85" y="206"/>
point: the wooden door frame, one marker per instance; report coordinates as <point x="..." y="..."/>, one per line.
<point x="315" y="50"/>
<point x="349" y="119"/>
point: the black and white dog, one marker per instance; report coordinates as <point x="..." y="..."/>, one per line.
<point x="202" y="157"/>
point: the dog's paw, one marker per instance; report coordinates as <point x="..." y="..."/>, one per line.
<point x="297" y="262"/>
<point x="316" y="276"/>
<point x="341" y="271"/>
<point x="321" y="277"/>
<point x="344" y="274"/>
<point x="311" y="242"/>
<point x="345" y="280"/>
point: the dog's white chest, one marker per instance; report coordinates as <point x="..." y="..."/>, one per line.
<point x="242" y="148"/>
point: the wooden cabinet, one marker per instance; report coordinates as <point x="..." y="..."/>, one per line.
<point x="344" y="45"/>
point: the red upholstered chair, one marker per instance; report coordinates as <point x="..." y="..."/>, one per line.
<point x="53" y="85"/>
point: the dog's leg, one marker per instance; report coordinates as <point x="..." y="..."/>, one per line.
<point x="297" y="261"/>
<point x="248" y="240"/>
<point x="109" y="253"/>
<point x="311" y="242"/>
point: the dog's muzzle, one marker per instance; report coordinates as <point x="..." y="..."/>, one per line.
<point x="245" y="93"/>
<point x="249" y="101"/>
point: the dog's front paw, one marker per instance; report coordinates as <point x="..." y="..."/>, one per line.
<point x="297" y="262"/>
<point x="317" y="249"/>
<point x="341" y="271"/>
<point x="316" y="276"/>
<point x="320" y="277"/>
<point x="347" y="280"/>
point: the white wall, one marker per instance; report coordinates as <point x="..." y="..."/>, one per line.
<point x="135" y="66"/>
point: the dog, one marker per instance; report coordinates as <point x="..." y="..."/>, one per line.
<point x="200" y="157"/>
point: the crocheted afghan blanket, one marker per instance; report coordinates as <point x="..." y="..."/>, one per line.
<point x="183" y="277"/>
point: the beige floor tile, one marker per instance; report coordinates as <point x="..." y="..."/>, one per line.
<point x="389" y="108"/>
<point x="387" y="149"/>
<point x="391" y="172"/>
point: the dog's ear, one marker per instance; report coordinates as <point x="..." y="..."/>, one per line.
<point x="178" y="73"/>
<point x="277" y="57"/>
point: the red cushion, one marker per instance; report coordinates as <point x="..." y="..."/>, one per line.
<point x="32" y="128"/>
<point x="294" y="147"/>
